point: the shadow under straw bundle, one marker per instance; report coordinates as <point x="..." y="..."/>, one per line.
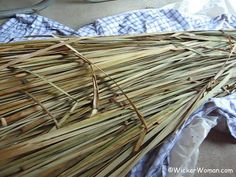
<point x="96" y="106"/>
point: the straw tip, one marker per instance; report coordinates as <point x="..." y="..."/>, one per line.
<point x="94" y="112"/>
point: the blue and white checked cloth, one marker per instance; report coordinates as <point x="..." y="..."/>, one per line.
<point x="142" y="21"/>
<point x="134" y="22"/>
<point x="224" y="110"/>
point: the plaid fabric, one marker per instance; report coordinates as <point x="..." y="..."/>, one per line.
<point x="134" y="22"/>
<point x="155" y="163"/>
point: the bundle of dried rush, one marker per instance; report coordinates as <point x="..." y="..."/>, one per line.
<point x="95" y="106"/>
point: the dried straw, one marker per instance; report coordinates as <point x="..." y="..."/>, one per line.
<point x="95" y="106"/>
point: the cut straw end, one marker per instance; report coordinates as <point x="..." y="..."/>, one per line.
<point x="3" y="122"/>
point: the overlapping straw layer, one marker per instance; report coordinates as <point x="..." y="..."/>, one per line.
<point x="95" y="106"/>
